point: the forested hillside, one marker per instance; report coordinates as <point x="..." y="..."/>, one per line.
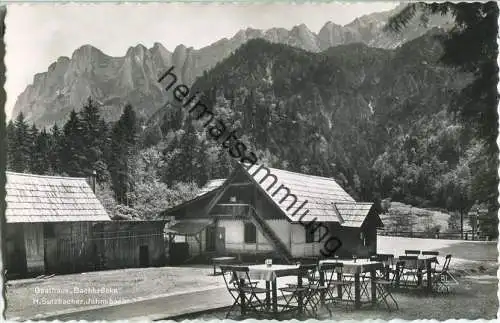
<point x="379" y="121"/>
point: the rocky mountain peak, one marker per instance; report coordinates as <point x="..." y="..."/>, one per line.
<point x="133" y="77"/>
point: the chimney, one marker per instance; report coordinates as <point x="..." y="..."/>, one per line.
<point x="92" y="180"/>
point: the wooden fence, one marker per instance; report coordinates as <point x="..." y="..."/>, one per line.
<point x="467" y="235"/>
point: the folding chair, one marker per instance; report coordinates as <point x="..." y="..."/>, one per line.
<point x="384" y="286"/>
<point x="411" y="271"/>
<point x="342" y="285"/>
<point x="309" y="291"/>
<point x="412" y="252"/>
<point x="396" y="273"/>
<point x="239" y="284"/>
<point x="440" y="279"/>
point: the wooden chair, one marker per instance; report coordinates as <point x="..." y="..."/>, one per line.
<point x="384" y="287"/>
<point x="396" y="272"/>
<point x="343" y="284"/>
<point x="242" y="289"/>
<point x="306" y="292"/>
<point x="441" y="278"/>
<point x="411" y="271"/>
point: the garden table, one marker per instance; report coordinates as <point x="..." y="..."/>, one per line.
<point x="420" y="263"/>
<point x="222" y="260"/>
<point x="270" y="275"/>
<point x="356" y="268"/>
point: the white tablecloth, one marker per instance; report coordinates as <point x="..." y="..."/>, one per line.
<point x="263" y="272"/>
<point x="351" y="267"/>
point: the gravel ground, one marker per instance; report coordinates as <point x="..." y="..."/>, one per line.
<point x="26" y="298"/>
<point x="474" y="298"/>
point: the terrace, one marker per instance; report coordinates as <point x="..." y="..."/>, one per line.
<point x="193" y="292"/>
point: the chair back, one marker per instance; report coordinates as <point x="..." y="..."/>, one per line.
<point x="230" y="278"/>
<point x="240" y="274"/>
<point x="412" y="252"/>
<point x="446" y="264"/>
<point x="400" y="267"/>
<point x="307" y="273"/>
<point x="411" y="262"/>
<point x="329" y="271"/>
<point x="430" y="253"/>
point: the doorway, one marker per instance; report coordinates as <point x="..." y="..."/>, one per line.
<point x="144" y="256"/>
<point x="220" y="240"/>
<point x="210" y="238"/>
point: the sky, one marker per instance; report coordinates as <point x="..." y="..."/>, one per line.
<point x="36" y="35"/>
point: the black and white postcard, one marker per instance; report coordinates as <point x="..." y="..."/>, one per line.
<point x="211" y="161"/>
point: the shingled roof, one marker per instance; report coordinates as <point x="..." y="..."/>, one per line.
<point x="36" y="198"/>
<point x="211" y="185"/>
<point x="327" y="201"/>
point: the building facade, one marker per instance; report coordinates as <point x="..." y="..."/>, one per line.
<point x="267" y="211"/>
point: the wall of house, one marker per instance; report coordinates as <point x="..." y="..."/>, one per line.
<point x="15" y="250"/>
<point x="235" y="238"/>
<point x="34" y="244"/>
<point x="356" y="241"/>
<point x="299" y="247"/>
<point x="118" y="244"/>
<point x="68" y="246"/>
<point x="194" y="244"/>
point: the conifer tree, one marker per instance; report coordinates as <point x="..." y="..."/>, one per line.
<point x="32" y="138"/>
<point x="72" y="149"/>
<point x="54" y="153"/>
<point x="21" y="145"/>
<point x="40" y="163"/>
<point x="122" y="155"/>
<point x="11" y="147"/>
<point x="93" y="138"/>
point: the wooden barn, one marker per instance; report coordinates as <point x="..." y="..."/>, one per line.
<point x="49" y="224"/>
<point x="57" y="225"/>
<point x="268" y="211"/>
<point x="129" y="243"/>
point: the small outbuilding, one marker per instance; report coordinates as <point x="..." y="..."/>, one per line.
<point x="57" y="225"/>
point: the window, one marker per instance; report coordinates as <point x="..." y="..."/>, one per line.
<point x="250" y="234"/>
<point x="310" y="234"/>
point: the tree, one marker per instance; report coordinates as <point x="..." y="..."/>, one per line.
<point x="72" y="153"/>
<point x="182" y="161"/>
<point x="122" y="154"/>
<point x="32" y="138"/>
<point x="11" y="146"/>
<point x="21" y="145"/>
<point x="471" y="46"/>
<point x="40" y="163"/>
<point x="54" y="154"/>
<point x="94" y="135"/>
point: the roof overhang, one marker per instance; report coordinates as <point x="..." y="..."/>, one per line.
<point x="189" y="227"/>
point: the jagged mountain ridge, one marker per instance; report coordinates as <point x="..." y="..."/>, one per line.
<point x="112" y="81"/>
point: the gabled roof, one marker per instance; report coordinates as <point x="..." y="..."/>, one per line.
<point x="211" y="185"/>
<point x="36" y="198"/>
<point x="354" y="214"/>
<point x="326" y="200"/>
